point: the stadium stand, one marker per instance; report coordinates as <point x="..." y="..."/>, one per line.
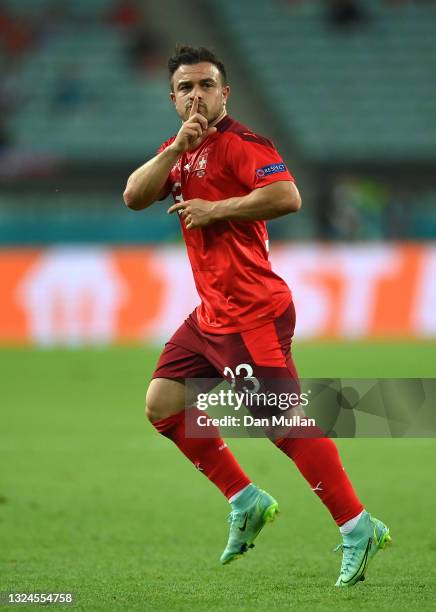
<point x="82" y="217"/>
<point x="359" y="93"/>
<point x="82" y="98"/>
<point x="84" y="86"/>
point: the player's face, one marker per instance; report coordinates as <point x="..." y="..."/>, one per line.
<point x="204" y="81"/>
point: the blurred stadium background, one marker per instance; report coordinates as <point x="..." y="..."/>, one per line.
<point x="347" y="91"/>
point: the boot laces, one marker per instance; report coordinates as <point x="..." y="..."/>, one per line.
<point x="348" y="556"/>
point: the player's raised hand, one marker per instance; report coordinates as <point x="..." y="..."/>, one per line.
<point x="193" y="131"/>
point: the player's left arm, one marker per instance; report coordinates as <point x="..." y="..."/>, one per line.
<point x="269" y="202"/>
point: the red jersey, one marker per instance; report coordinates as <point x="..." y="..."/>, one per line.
<point x="229" y="259"/>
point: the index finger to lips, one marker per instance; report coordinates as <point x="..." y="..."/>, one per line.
<point x="194" y="107"/>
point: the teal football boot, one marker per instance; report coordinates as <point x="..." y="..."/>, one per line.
<point x="359" y="547"/>
<point x="247" y="521"/>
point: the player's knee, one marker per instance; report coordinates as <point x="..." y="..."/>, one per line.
<point x="164" y="398"/>
<point x="152" y="407"/>
<point x="156" y="404"/>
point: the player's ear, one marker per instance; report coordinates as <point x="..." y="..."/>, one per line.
<point x="172" y="97"/>
<point x="226" y="92"/>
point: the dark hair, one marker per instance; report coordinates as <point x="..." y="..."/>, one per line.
<point x="192" y="55"/>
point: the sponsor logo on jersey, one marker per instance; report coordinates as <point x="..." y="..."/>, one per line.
<point x="271" y="169"/>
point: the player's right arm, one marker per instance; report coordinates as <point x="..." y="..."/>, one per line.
<point x="148" y="183"/>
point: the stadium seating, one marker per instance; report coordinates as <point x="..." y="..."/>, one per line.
<point x="81" y="218"/>
<point x="361" y="93"/>
<point x="312" y="73"/>
<point x="109" y="109"/>
<point x="357" y="93"/>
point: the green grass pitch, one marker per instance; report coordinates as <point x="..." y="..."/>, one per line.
<point x="94" y="502"/>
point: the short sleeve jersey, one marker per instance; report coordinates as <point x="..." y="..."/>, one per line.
<point x="229" y="259"/>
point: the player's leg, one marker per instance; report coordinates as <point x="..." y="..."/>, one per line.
<point x="165" y="408"/>
<point x="318" y="460"/>
<point x="182" y="358"/>
<point x="264" y="354"/>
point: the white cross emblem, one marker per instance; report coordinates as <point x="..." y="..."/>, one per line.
<point x="202" y="163"/>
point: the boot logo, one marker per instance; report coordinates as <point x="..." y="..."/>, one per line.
<point x="244" y="524"/>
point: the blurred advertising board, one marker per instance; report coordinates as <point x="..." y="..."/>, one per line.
<point x="103" y="295"/>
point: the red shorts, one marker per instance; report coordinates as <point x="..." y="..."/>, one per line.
<point x="263" y="352"/>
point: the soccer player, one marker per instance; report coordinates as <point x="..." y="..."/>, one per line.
<point x="226" y="181"/>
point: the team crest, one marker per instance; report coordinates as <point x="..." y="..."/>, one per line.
<point x="200" y="166"/>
